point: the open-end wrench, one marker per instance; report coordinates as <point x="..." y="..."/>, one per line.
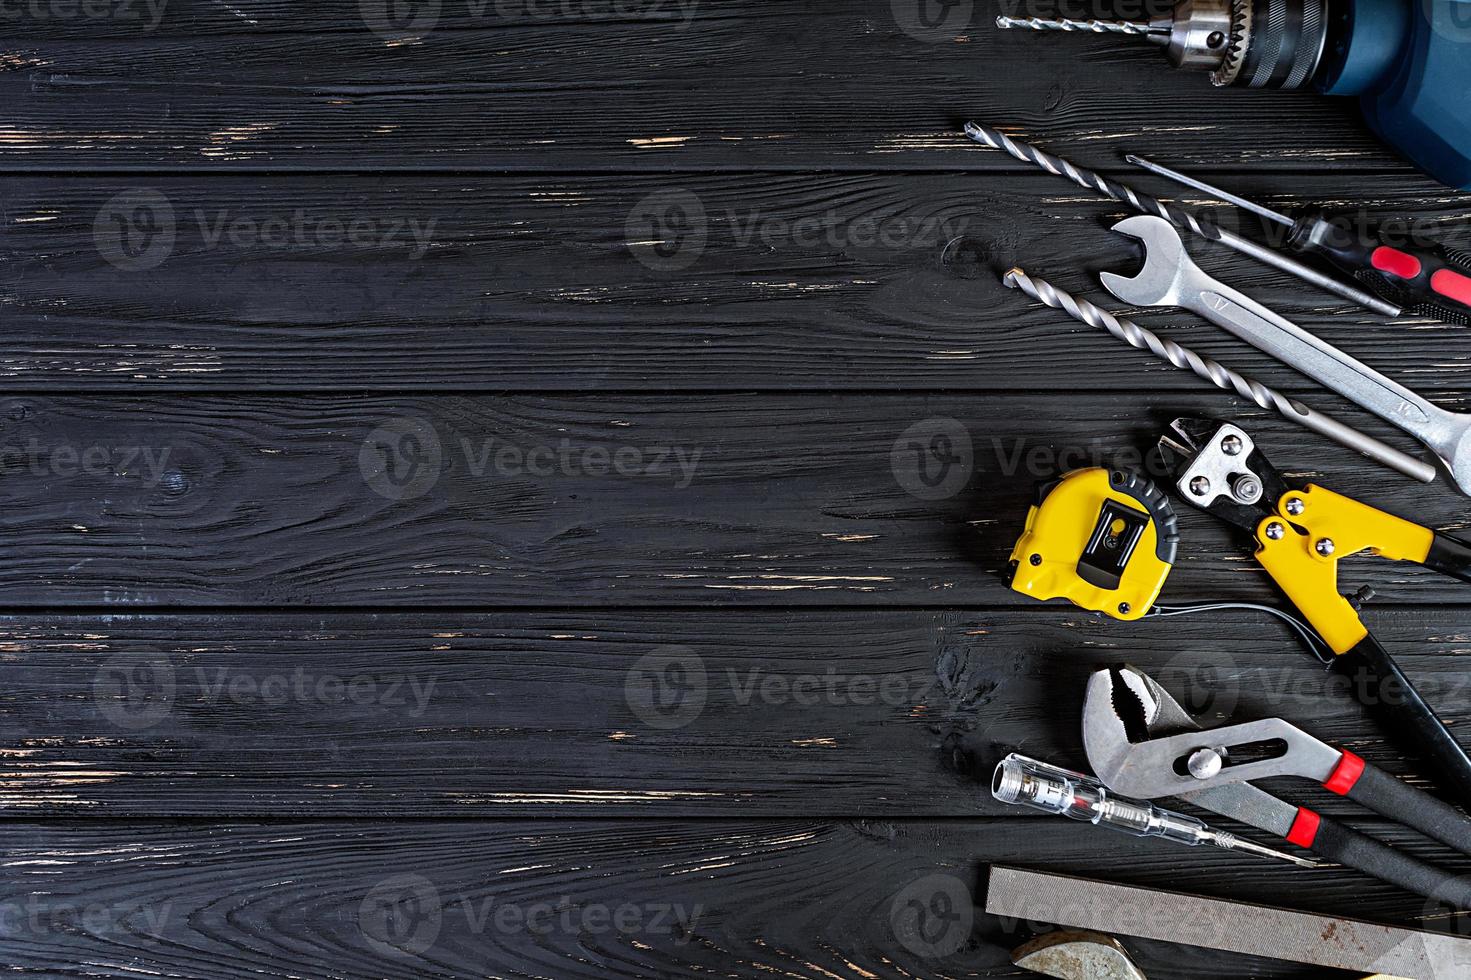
<point x="1171" y="278"/>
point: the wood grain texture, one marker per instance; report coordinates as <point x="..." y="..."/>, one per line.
<point x="657" y="283"/>
<point x="720" y="500"/>
<point x="736" y="86"/>
<point x="622" y="713"/>
<point x="591" y="509"/>
<point x="798" y="898"/>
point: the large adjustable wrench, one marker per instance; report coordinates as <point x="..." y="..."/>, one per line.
<point x="1171" y="278"/>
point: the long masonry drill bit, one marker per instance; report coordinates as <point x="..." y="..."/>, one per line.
<point x="1218" y="374"/>
<point x="1130" y="27"/>
<point x="1145" y="204"/>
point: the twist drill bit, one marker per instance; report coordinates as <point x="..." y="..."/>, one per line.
<point x="1145" y="204"/>
<point x="1217" y="374"/>
<point x="1133" y="28"/>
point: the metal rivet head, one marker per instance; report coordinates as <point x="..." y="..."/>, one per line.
<point x="1231" y="445"/>
<point x="1247" y="489"/>
<point x="1124" y="608"/>
<point x="1204" y="763"/>
<point x="1035" y="559"/>
<point x="1200" y="486"/>
<point x="1325" y="546"/>
<point x="1275" y="531"/>
<point x="1295" y="506"/>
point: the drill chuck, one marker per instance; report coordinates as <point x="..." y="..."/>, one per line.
<point x="1254" y="43"/>
<point x="1407" y="61"/>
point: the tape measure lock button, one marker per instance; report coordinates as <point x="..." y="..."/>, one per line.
<point x="1103" y="539"/>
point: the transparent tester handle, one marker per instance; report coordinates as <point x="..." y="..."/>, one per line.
<point x="1031" y="782"/>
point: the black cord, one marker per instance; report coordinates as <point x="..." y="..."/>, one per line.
<point x="1309" y="636"/>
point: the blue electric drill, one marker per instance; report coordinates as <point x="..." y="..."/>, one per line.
<point x="1408" y="61"/>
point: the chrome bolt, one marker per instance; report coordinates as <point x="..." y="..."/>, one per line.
<point x="1205" y="763"/>
<point x="1231" y="445"/>
<point x="1275" y="530"/>
<point x="1325" y="546"/>
<point x="1200" y="486"/>
<point x="1247" y="489"/>
<point x="1295" y="506"/>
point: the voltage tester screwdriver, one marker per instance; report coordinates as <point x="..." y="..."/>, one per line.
<point x="1025" y="781"/>
<point x="1435" y="282"/>
<point x="1408" y="61"/>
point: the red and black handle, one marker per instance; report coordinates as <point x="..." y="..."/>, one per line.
<point x="1432" y="281"/>
<point x="1384" y="794"/>
<point x="1381" y="792"/>
<point x="1352" y="849"/>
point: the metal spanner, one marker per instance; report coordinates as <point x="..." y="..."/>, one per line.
<point x="1171" y="278"/>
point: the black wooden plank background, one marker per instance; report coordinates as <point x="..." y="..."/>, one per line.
<point x="459" y="475"/>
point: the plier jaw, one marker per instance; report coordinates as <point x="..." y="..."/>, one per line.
<point x="1218" y="468"/>
<point x="1142" y="743"/>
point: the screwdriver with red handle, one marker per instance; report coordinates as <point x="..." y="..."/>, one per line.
<point x="1430" y="282"/>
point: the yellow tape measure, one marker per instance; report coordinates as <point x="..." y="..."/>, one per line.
<point x="1102" y="539"/>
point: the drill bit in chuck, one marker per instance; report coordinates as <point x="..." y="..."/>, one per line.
<point x="1133" y="28"/>
<point x="1218" y="374"/>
